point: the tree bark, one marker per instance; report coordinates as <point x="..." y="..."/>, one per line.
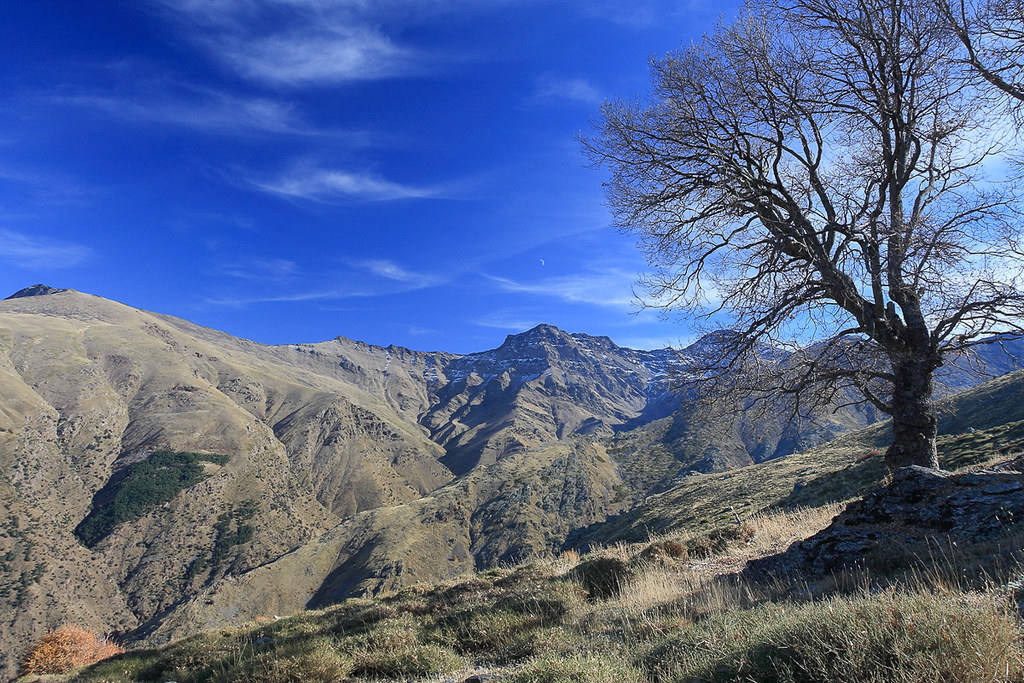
<point x="914" y="425"/>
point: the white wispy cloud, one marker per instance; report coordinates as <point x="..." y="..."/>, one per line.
<point x="202" y="109"/>
<point x="298" y="42"/>
<point x="261" y="269"/>
<point x="330" y="185"/>
<point x="643" y="14"/>
<point x="550" y="87"/>
<point x="30" y="251"/>
<point x="507" y="320"/>
<point x="335" y="54"/>
<point x="335" y="294"/>
<point x="391" y="279"/>
<point x="390" y="270"/>
<point x="47" y="187"/>
<point x="609" y="287"/>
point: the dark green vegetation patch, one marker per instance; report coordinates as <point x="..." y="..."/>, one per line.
<point x="140" y="487"/>
<point x="225" y="538"/>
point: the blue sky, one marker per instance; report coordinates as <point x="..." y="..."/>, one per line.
<point x="395" y="171"/>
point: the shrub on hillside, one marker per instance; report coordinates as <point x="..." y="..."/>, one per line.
<point x="662" y="553"/>
<point x="602" y="576"/>
<point x="65" y="648"/>
<point x="716" y="542"/>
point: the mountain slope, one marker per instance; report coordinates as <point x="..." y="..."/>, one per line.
<point x="156" y="475"/>
<point x="89" y="387"/>
<point x="980" y="423"/>
<point x="504" y="513"/>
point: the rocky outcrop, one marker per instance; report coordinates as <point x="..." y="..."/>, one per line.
<point x="36" y="290"/>
<point x="921" y="511"/>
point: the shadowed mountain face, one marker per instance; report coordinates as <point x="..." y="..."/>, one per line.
<point x="348" y="467"/>
<point x="540" y="386"/>
<point x="35" y="290"/>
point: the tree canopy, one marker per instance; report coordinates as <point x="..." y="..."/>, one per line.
<point x="827" y="177"/>
<point x="992" y="35"/>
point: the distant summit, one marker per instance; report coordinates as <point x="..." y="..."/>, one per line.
<point x="36" y="290"/>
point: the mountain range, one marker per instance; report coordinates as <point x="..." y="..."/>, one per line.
<point x="158" y="477"/>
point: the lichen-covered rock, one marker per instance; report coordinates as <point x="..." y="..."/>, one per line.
<point x="906" y="518"/>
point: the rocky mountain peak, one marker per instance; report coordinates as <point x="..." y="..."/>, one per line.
<point x="709" y="342"/>
<point x="537" y="335"/>
<point x="36" y="290"/>
<point x="599" y="343"/>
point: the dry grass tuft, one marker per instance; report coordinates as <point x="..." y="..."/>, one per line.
<point x="917" y="635"/>
<point x="65" y="648"/>
<point x="774" y="532"/>
<point x="584" y="668"/>
<point x="570" y="557"/>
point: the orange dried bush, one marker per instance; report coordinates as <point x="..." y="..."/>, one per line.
<point x="65" y="648"/>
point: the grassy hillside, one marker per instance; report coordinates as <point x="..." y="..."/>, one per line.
<point x="642" y="612"/>
<point x="662" y="608"/>
<point x="141" y="487"/>
<point x="528" y="504"/>
<point x="90" y="389"/>
<point x="982" y="423"/>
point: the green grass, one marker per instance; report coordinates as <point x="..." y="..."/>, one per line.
<point x="585" y="668"/>
<point x="603" y="577"/>
<point x="498" y="619"/>
<point x="892" y="636"/>
<point x="141" y="487"/>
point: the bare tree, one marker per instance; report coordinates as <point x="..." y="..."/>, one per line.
<point x="813" y="177"/>
<point x="992" y="35"/>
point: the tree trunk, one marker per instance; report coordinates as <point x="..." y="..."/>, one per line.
<point x="914" y="425"/>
